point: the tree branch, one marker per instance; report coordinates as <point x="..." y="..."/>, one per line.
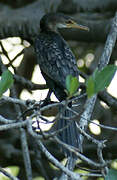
<point x="108" y="99"/>
<point x="24" y="23"/>
<point x="104" y="60"/>
<point x="69" y="6"/>
<point x="57" y="163"/>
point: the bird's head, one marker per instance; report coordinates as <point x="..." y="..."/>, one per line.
<point x="53" y="21"/>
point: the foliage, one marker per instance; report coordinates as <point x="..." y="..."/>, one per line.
<point x="6" y="81"/>
<point x="13" y="170"/>
<point x="95" y="83"/>
<point x="112" y="174"/>
<point x="13" y="25"/>
<point x="71" y="85"/>
<point x="100" y="80"/>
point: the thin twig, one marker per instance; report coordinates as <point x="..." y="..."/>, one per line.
<point x="54" y="161"/>
<point x="23" y="137"/>
<point x="28" y="84"/>
<point x="104" y="60"/>
<point x="91" y="174"/>
<point x="81" y="156"/>
<point x="104" y="126"/>
<point x="13" y="100"/>
<point x="13" y="125"/>
<point x="100" y="156"/>
<point x="6" y="121"/>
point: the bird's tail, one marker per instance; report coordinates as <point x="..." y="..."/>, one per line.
<point x="69" y="134"/>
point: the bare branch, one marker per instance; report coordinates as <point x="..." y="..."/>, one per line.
<point x="87" y="5"/>
<point x="57" y="163"/>
<point x="109" y="45"/>
<point x="108" y="99"/>
<point x="28" y="84"/>
<point x="104" y="60"/>
<point x="81" y="156"/>
<point x="23" y="137"/>
<point x="24" y="23"/>
<point x="13" y="100"/>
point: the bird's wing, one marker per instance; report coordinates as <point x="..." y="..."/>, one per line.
<point x="56" y="59"/>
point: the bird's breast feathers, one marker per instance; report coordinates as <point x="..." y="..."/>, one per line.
<point x="55" y="57"/>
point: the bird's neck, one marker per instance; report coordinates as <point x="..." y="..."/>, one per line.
<point x="49" y="30"/>
<point x="48" y="27"/>
<point x="53" y="34"/>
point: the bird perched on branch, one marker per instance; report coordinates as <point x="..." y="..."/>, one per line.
<point x="56" y="62"/>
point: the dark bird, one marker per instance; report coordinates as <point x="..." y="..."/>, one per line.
<point x="56" y="62"/>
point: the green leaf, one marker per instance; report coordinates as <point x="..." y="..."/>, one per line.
<point x="6" y="81"/>
<point x="95" y="73"/>
<point x="68" y="82"/>
<point x="90" y="86"/>
<point x="71" y="84"/>
<point x="103" y="78"/>
<point x="74" y="85"/>
<point x="38" y="178"/>
<point x="112" y="175"/>
<point x="100" y="79"/>
<point x="13" y="170"/>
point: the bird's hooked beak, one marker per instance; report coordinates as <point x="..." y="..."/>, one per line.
<point x="73" y="24"/>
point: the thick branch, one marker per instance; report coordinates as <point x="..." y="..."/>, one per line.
<point x="24" y="23"/>
<point x="108" y="99"/>
<point x="69" y="6"/>
<point x="104" y="60"/>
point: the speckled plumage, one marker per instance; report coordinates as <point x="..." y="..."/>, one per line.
<point x="55" y="58"/>
<point x="56" y="61"/>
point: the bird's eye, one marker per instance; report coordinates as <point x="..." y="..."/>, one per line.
<point x="69" y="21"/>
